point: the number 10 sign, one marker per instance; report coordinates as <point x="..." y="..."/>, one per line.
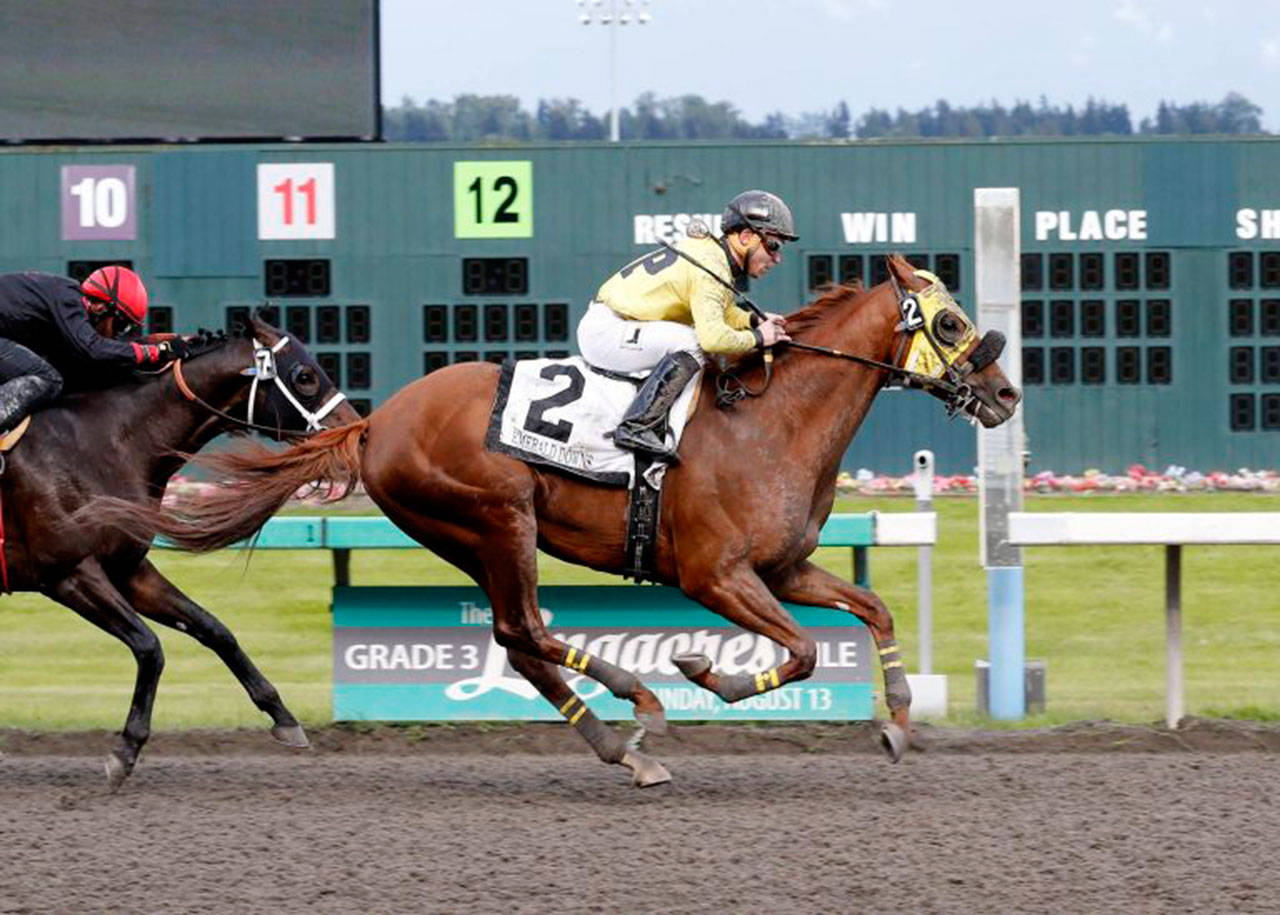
<point x="295" y="200"/>
<point x="98" y="203"/>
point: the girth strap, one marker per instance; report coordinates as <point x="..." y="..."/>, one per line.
<point x="642" y="526"/>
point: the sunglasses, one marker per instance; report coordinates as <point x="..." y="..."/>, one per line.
<point x="122" y="324"/>
<point x="771" y="244"/>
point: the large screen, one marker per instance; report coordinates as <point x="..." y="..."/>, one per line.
<point x="173" y="70"/>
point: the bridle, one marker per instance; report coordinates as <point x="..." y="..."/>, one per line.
<point x="951" y="386"/>
<point x="264" y="368"/>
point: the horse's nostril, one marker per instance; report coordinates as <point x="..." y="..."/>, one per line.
<point x="1009" y="395"/>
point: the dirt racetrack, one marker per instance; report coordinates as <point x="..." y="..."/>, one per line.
<point x="780" y="819"/>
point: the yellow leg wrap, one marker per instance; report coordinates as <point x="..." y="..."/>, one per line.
<point x="889" y="656"/>
<point x="767" y="680"/>
<point x="567" y="709"/>
<point x="576" y="660"/>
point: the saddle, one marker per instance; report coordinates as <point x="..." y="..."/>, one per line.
<point x="561" y="413"/>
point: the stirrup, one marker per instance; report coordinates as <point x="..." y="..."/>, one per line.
<point x="645" y="442"/>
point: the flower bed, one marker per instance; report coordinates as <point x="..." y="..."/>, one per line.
<point x="865" y="483"/>
<point x="1137" y="479"/>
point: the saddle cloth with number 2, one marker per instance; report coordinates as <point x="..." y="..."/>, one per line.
<point x="562" y="413"/>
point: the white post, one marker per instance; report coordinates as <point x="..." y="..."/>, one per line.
<point x="928" y="690"/>
<point x="997" y="249"/>
<point x="923" y="485"/>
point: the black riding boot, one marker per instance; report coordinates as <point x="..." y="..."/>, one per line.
<point x="19" y="396"/>
<point x="644" y="425"/>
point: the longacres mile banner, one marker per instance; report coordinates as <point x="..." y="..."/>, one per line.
<point x="428" y="654"/>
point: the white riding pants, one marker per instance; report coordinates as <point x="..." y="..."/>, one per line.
<point x="609" y="341"/>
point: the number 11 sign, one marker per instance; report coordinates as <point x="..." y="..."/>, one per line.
<point x="295" y="200"/>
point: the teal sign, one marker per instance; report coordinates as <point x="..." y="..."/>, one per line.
<point x="428" y="654"/>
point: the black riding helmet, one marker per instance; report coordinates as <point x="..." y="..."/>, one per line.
<point x="759" y="211"/>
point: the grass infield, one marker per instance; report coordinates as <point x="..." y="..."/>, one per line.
<point x="1095" y="615"/>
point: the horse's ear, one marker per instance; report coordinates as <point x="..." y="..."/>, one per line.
<point x="904" y="273"/>
<point x="261" y="329"/>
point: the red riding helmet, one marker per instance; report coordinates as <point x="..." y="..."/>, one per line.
<point x="116" y="290"/>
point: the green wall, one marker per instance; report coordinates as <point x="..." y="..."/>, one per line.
<point x="1156" y="349"/>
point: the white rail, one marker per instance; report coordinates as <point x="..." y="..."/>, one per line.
<point x="1172" y="530"/>
<point x="906" y="528"/>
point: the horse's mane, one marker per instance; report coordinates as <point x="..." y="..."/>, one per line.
<point x="125" y="382"/>
<point x="802" y="322"/>
<point x="816" y="312"/>
<point x="206" y="341"/>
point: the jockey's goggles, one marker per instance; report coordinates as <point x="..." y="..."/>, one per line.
<point x="121" y="323"/>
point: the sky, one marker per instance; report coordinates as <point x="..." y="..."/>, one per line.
<point x="797" y="56"/>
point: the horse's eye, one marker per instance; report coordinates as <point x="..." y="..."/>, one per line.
<point x="948" y="327"/>
<point x="305" y="381"/>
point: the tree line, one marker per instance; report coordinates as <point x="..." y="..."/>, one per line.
<point x="501" y="118"/>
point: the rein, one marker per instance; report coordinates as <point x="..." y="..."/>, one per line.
<point x="263" y="369"/>
<point x="192" y="396"/>
<point x="955" y="392"/>
<point x="730" y="388"/>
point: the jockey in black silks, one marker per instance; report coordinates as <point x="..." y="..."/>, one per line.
<point x="50" y="326"/>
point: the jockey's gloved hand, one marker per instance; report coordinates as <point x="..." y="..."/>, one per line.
<point x="771" y="332"/>
<point x="177" y="348"/>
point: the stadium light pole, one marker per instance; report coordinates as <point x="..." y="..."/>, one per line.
<point x="613" y="13"/>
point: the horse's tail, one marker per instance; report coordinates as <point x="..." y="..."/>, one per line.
<point x="254" y="483"/>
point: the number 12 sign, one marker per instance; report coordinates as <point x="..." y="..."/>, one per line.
<point x="295" y="200"/>
<point x="493" y="199"/>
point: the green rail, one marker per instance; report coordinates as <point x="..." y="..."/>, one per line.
<point x="342" y="534"/>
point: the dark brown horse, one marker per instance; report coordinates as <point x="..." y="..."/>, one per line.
<point x="740" y="514"/>
<point x="125" y="442"/>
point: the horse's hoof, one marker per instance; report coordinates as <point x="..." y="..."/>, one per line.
<point x="691" y="665"/>
<point x="919" y="744"/>
<point x="117" y="772"/>
<point x="291" y="735"/>
<point x="653" y="722"/>
<point x="645" y="771"/>
<point x="894" y="740"/>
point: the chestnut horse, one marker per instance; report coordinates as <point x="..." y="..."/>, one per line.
<point x="740" y="515"/>
<point x="119" y="446"/>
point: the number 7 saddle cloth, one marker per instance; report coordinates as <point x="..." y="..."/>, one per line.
<point x="562" y="413"/>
